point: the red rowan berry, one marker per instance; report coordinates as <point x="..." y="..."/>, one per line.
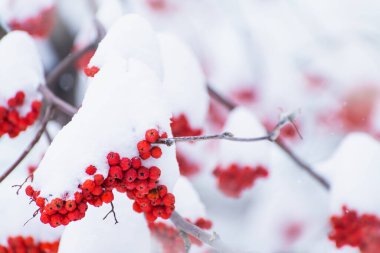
<point x="150" y="217"/>
<point x="36" y="106"/>
<point x="131" y="175"/>
<point x="40" y="202"/>
<point x="70" y="205"/>
<point x="113" y="158"/>
<point x="164" y="135"/>
<point x="154" y="173"/>
<point x="162" y="190"/>
<point x="136" y="162"/>
<point x="156" y="152"/>
<point x="63" y="211"/>
<point x="36" y="194"/>
<point x="78" y="197"/>
<point x="125" y="163"/>
<point x="131" y="195"/>
<point x="57" y="204"/>
<point x="91" y="170"/>
<point x="169" y="199"/>
<point x="153" y="194"/>
<point x="12" y="102"/>
<point x="97" y="202"/>
<point x="143" y="147"/>
<point x="88" y="185"/>
<point x="130" y="185"/>
<point x="45" y="219"/>
<point x="136" y="207"/>
<point x="115" y="172"/>
<point x="158" y="211"/>
<point x="151" y="184"/>
<point x="98" y="190"/>
<point x="145" y="156"/>
<point x="65" y="221"/>
<point x="142" y="186"/>
<point x="151" y="135"/>
<point x="91" y="71"/>
<point x="74" y="215"/>
<point x="20" y="97"/>
<point x="49" y="209"/>
<point x="29" y="191"/>
<point x="82" y="207"/>
<point x="166" y="215"/>
<point x="107" y="197"/>
<point x="156" y="202"/>
<point x="98" y="179"/>
<point x="142" y="173"/>
<point x="55" y="220"/>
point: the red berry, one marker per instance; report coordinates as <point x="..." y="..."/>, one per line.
<point x="143" y="147"/>
<point x="82" y="207"/>
<point x="150" y="217"/>
<point x="169" y="199"/>
<point x="36" y="106"/>
<point x="125" y="164"/>
<point x="40" y="202"/>
<point x="98" y="190"/>
<point x="49" y="209"/>
<point x="162" y="190"/>
<point x="156" y="152"/>
<point x="142" y="173"/>
<point x="151" y="135"/>
<point x="91" y="71"/>
<point x="136" y="162"/>
<point x="91" y="170"/>
<point x="57" y="204"/>
<point x="107" y="197"/>
<point x="153" y="194"/>
<point x="116" y="172"/>
<point x="70" y="205"/>
<point x="78" y="197"/>
<point x="154" y="173"/>
<point x="142" y="186"/>
<point x="136" y="207"/>
<point x="98" y="179"/>
<point x="45" y="219"/>
<point x="55" y="220"/>
<point x="131" y="175"/>
<point x="20" y="97"/>
<point x="12" y="102"/>
<point x="164" y="135"/>
<point x="113" y="158"/>
<point x="144" y="156"/>
<point x="130" y="185"/>
<point x="88" y="185"/>
<point x="29" y="191"/>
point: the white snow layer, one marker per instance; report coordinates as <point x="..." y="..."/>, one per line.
<point x="130" y="37"/>
<point x="242" y="123"/>
<point x="20" y="67"/>
<point x="22" y="9"/>
<point x="95" y="235"/>
<point x="121" y="103"/>
<point x="184" y="82"/>
<point x="354" y="174"/>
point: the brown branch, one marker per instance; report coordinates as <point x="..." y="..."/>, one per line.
<point x="210" y="239"/>
<point x="60" y="104"/>
<point x="23" y="183"/>
<point x="48" y="115"/>
<point x="34" y="215"/>
<point x="303" y="165"/>
<point x="113" y="212"/>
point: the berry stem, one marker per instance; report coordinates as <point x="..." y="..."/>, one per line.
<point x="48" y="115"/>
<point x="303" y="165"/>
<point x="209" y="239"/>
<point x="113" y="212"/>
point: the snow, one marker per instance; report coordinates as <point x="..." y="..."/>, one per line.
<point x="243" y="123"/>
<point x="354" y="174"/>
<point x="184" y="82"/>
<point x="22" y="9"/>
<point x="130" y="37"/>
<point x="20" y="68"/>
<point x="95" y="235"/>
<point x="122" y="94"/>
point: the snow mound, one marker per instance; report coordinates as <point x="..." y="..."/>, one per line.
<point x="354" y="174"/>
<point x="184" y="81"/>
<point x="93" y="235"/>
<point x="22" y="9"/>
<point x="20" y="67"/>
<point x="130" y="37"/>
<point x="242" y="123"/>
<point x="121" y="103"/>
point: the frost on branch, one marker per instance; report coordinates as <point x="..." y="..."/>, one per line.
<point x="355" y="216"/>
<point x="35" y="17"/>
<point x="108" y="137"/>
<point x="20" y="74"/>
<point x="241" y="164"/>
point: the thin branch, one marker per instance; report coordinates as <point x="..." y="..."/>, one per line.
<point x="48" y="115"/>
<point x="303" y="165"/>
<point x="186" y="241"/>
<point x="113" y="212"/>
<point x="212" y="240"/>
<point x="21" y="185"/>
<point x="56" y="101"/>
<point x="34" y="215"/>
<point x="48" y="136"/>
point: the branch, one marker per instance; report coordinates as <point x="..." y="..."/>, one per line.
<point x="113" y="212"/>
<point x="48" y="115"/>
<point x="210" y="239"/>
<point x="303" y="165"/>
<point x="186" y="241"/>
<point x="23" y="183"/>
<point x="60" y="104"/>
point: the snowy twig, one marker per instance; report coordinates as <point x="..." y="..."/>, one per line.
<point x="48" y="115"/>
<point x="23" y="183"/>
<point x="186" y="241"/>
<point x="229" y="105"/>
<point x="34" y="215"/>
<point x="210" y="239"/>
<point x="113" y="212"/>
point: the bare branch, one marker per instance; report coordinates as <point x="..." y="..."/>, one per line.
<point x="113" y="212"/>
<point x="48" y="115"/>
<point x="303" y="165"/>
<point x="186" y="241"/>
<point x="209" y="239"/>
<point x="34" y="215"/>
<point x="60" y="104"/>
<point x="21" y="185"/>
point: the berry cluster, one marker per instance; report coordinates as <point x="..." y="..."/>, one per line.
<point x="170" y="238"/>
<point x="181" y="127"/>
<point x="234" y="179"/>
<point x="126" y="176"/>
<point x="21" y="244"/>
<point x="91" y="71"/>
<point x="351" y="229"/>
<point x="186" y="167"/>
<point x="37" y="26"/>
<point x="11" y="122"/>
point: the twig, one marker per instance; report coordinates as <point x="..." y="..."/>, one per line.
<point x="48" y="136"/>
<point x="56" y="101"/>
<point x="303" y="165"/>
<point x="210" y="239"/>
<point x="48" y="115"/>
<point x="113" y="212"/>
<point x="34" y="215"/>
<point x="21" y="185"/>
<point x="186" y="241"/>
